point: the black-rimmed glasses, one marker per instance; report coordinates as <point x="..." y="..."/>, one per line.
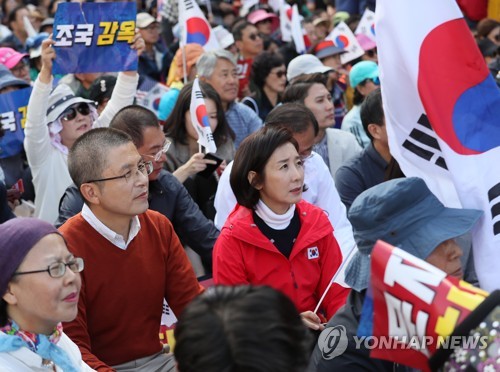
<point x="83" y="108"/>
<point x="146" y="168"/>
<point x="58" y="269"/>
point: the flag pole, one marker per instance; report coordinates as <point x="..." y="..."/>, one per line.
<point x="199" y="147"/>
<point x="184" y="63"/>
<point x="339" y="270"/>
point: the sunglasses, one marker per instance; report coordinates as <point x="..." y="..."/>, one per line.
<point x="279" y="74"/>
<point x="253" y="37"/>
<point x="70" y="114"/>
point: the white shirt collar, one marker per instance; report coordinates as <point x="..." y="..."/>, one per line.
<point x="113" y="237"/>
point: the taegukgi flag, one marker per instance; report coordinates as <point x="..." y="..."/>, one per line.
<point x="285" y="21"/>
<point x="344" y="38"/>
<point x="442" y="110"/>
<point x="195" y="27"/>
<point x="297" y="32"/>
<point x="199" y="118"/>
<point x="366" y="25"/>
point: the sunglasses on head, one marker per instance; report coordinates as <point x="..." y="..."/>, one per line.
<point x="82" y="108"/>
<point x="253" y="37"/>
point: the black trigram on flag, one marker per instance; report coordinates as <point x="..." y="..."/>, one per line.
<point x="493" y="194"/>
<point x="198" y="94"/>
<point x="210" y="137"/>
<point x="423" y="144"/>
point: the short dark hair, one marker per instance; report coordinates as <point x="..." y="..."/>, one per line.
<point x="244" y="328"/>
<point x="13" y="13"/>
<point x="175" y="125"/>
<point x="262" y="66"/>
<point x="133" y="120"/>
<point x="372" y="111"/>
<point x="294" y="116"/>
<point x="298" y="90"/>
<point x="252" y="155"/>
<point x="87" y="158"/>
<point x="238" y="28"/>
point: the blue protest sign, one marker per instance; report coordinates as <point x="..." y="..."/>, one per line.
<point x="13" y="108"/>
<point x="94" y="37"/>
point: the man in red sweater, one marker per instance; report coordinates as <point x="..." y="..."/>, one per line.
<point x="133" y="258"/>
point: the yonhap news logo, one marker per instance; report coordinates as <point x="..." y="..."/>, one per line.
<point x="333" y="342"/>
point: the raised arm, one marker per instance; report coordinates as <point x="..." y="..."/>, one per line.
<point x="37" y="140"/>
<point x="125" y="88"/>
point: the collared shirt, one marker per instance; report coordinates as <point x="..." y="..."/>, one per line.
<point x="113" y="237"/>
<point x="243" y="121"/>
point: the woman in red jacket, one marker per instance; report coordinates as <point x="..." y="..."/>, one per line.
<point x="274" y="238"/>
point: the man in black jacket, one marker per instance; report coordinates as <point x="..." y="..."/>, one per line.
<point x="166" y="195"/>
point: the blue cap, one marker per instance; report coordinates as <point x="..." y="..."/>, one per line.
<point x="361" y="71"/>
<point x="405" y="213"/>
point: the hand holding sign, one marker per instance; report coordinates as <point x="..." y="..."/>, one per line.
<point x="416" y="306"/>
<point x="96" y="37"/>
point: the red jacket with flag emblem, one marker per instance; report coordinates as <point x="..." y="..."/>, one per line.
<point x="243" y="255"/>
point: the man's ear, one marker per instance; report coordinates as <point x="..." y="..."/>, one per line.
<point x="253" y="180"/>
<point x="374" y="130"/>
<point x="9" y="296"/>
<point x="91" y="193"/>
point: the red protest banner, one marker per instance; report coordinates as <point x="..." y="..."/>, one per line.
<point x="416" y="305"/>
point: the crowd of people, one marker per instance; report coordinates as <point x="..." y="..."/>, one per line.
<point x="110" y="209"/>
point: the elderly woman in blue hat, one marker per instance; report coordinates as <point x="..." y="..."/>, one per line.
<point x="56" y="119"/>
<point x="404" y="213"/>
<point x="40" y="285"/>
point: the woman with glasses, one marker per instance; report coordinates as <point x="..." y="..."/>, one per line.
<point x="268" y="79"/>
<point x="56" y="119"/>
<point x="273" y="237"/>
<point x="184" y="160"/>
<point x="40" y="286"/>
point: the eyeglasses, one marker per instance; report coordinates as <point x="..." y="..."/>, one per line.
<point x="280" y="73"/>
<point x="83" y="108"/>
<point x="164" y="149"/>
<point x="254" y="37"/>
<point x="58" y="269"/>
<point x="144" y="168"/>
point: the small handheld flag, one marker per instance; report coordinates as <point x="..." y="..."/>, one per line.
<point x="199" y="118"/>
<point x="196" y="28"/>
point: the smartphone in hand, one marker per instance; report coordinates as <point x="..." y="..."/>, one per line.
<point x="210" y="167"/>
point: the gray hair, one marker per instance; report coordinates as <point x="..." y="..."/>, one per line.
<point x="205" y="65"/>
